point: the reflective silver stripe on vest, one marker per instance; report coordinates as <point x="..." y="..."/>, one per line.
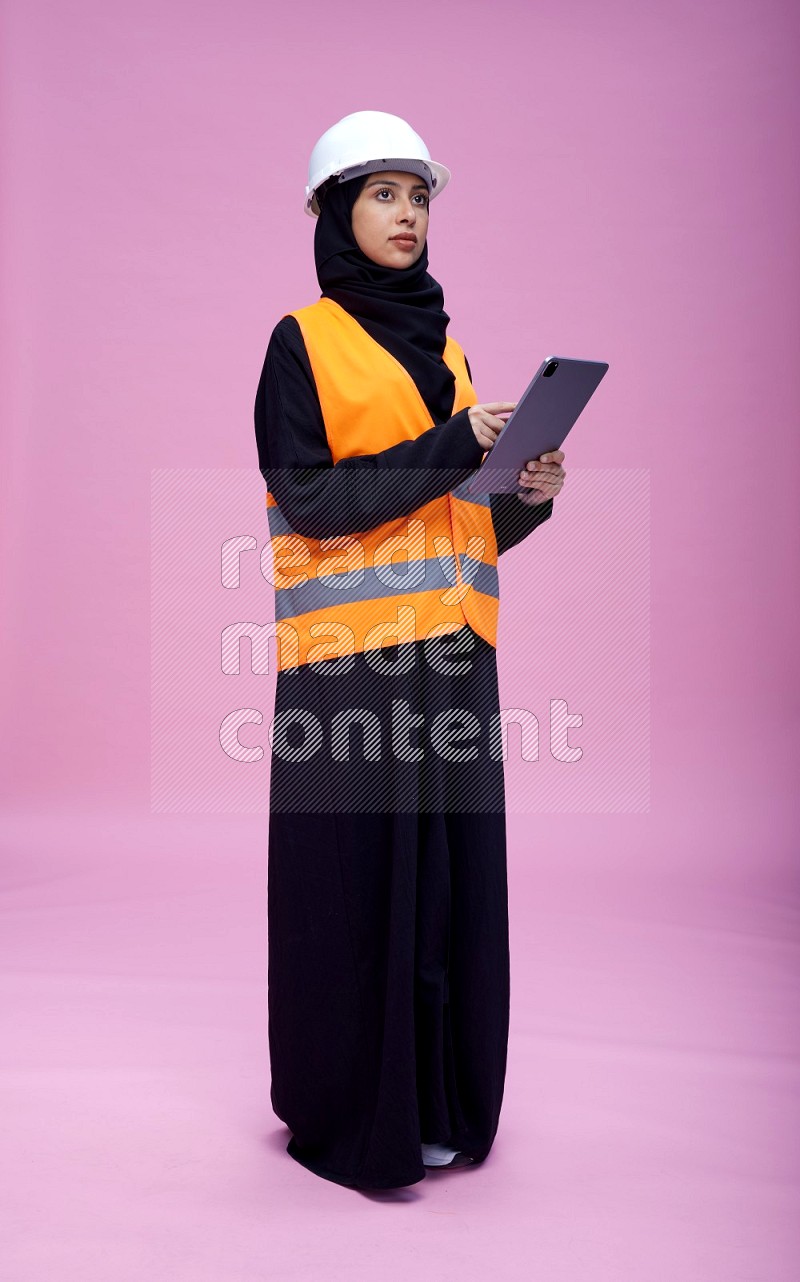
<point x="433" y="574"/>
<point x="365" y="584"/>
<point x="482" y="577"/>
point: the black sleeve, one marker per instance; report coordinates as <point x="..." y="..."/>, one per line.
<point x="322" y="499"/>
<point x="512" y="519"/>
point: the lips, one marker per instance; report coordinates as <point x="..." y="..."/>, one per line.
<point x="406" y="240"/>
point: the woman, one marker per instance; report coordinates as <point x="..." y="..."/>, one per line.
<point x="388" y="971"/>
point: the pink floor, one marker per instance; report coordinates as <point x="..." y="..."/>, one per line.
<point x="650" y="1119"/>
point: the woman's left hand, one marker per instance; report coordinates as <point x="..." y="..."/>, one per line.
<point x="543" y="478"/>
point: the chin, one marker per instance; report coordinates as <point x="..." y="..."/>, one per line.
<point x="406" y="260"/>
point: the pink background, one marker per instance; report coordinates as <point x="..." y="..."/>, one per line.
<point x="624" y="187"/>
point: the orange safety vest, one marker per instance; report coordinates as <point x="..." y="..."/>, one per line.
<point x="338" y="595"/>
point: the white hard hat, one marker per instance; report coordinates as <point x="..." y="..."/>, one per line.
<point x="367" y="141"/>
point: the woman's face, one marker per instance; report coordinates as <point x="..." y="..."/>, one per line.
<point x="391" y="204"/>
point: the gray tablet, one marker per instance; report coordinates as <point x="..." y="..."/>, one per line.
<point x="550" y="405"/>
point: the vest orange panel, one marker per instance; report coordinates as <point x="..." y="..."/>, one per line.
<point x="348" y="593"/>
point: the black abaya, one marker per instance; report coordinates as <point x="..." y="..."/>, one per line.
<point x="388" y="982"/>
<point x="378" y="1039"/>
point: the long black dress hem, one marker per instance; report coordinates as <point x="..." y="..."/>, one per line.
<point x="349" y="1180"/>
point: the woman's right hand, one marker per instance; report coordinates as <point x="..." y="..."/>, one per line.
<point x="486" y="420"/>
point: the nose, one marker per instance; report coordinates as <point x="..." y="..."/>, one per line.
<point x="406" y="210"/>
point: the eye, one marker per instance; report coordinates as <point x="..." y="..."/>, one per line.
<point x="422" y="195"/>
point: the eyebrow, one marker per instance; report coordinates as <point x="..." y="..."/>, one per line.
<point x="382" y="183"/>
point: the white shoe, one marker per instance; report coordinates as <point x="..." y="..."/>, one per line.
<point x="437" y="1155"/>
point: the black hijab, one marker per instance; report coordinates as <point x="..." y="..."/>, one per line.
<point x="400" y="307"/>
